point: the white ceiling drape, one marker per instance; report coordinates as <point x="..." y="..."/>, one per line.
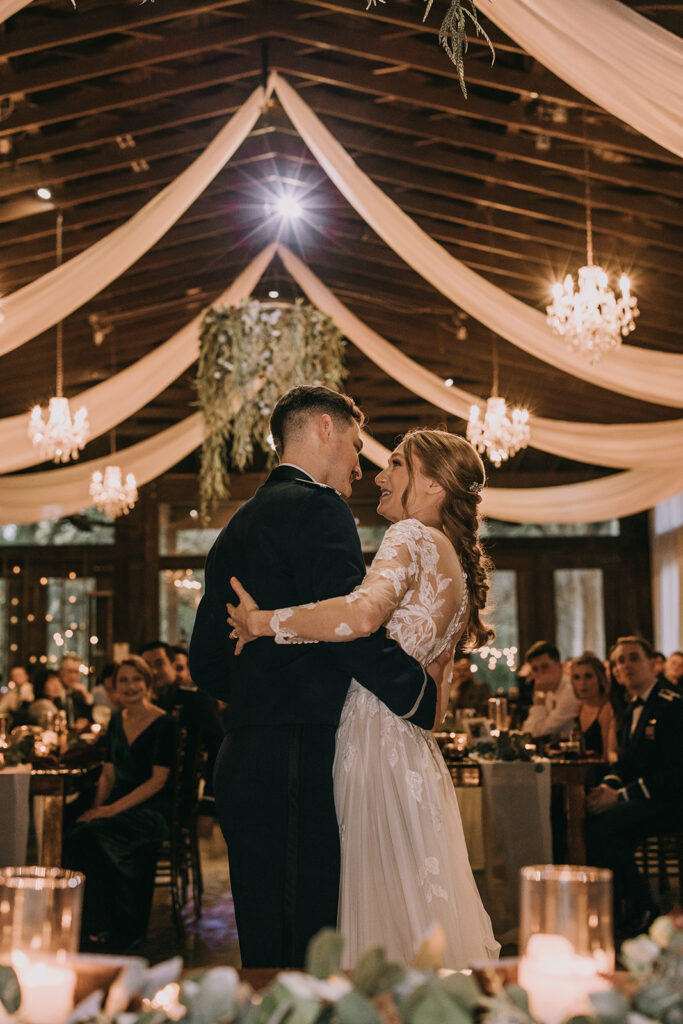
<point x="47" y="300"/>
<point x="642" y="373"/>
<point x="121" y="395"/>
<point x="10" y="7"/>
<point x="613" y="55"/>
<point x="618" y="445"/>
<point x="61" y="492"/>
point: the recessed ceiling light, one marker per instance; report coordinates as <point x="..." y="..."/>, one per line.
<point x="44" y="193"/>
<point x="273" y="294"/>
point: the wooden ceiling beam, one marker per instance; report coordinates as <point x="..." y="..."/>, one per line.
<point x="435" y="98"/>
<point x="419" y="56"/>
<point x="69" y="30"/>
<point x="506" y="146"/>
<point x="132" y="56"/>
<point x="87" y="103"/>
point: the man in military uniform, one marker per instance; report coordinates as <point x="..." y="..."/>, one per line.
<point x="294" y="541"/>
<point x="642" y="794"/>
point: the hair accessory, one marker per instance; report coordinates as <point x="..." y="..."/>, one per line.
<point x="475" y="487"/>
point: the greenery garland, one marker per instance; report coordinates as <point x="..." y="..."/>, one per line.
<point x="249" y="356"/>
<point x="453" y="34"/>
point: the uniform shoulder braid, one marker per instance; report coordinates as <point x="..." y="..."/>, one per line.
<point x="670" y="695"/>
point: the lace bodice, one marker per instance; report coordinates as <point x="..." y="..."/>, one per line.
<point x="415" y="587"/>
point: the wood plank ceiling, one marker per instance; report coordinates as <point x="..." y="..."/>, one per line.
<point x="107" y="104"/>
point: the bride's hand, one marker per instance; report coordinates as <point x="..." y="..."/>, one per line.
<point x="241" y="617"/>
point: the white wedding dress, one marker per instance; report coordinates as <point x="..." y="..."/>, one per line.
<point x="404" y="860"/>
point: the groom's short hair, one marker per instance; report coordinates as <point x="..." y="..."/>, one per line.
<point x="296" y="405"/>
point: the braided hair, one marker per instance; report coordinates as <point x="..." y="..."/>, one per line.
<point x="456" y="467"/>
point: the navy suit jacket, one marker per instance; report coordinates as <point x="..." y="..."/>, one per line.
<point x="296" y="541"/>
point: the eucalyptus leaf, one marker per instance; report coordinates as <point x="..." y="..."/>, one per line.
<point x="656" y="997"/>
<point x="374" y="974"/>
<point x="213" y="997"/>
<point x="431" y="1004"/>
<point x="87" y="1009"/>
<point x="518" y="997"/>
<point x="323" y="956"/>
<point x="10" y="993"/>
<point x="353" y="1008"/>
<point x="464" y="988"/>
<point x="611" y="1007"/>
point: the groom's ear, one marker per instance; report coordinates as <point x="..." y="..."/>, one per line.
<point x="325" y="426"/>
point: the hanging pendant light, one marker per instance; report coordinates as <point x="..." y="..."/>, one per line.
<point x="501" y="431"/>
<point x="592" y="320"/>
<point x="111" y="494"/>
<point x="58" y="436"/>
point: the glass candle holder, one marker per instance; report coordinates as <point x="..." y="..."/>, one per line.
<point x="40" y="921"/>
<point x="498" y="713"/>
<point x="565" y="938"/>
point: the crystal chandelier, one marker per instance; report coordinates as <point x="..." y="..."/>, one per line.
<point x="501" y="433"/>
<point x="110" y="494"/>
<point x="592" y="320"/>
<point x="58" y="436"/>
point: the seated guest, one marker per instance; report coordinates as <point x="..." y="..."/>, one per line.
<point x="673" y="670"/>
<point x="18" y="675"/>
<point x="466" y="690"/>
<point x="115" y="843"/>
<point x="554" y="705"/>
<point x="642" y="794"/>
<point x="181" y="665"/>
<point x="104" y="694"/>
<point x="595" y="717"/>
<point x="77" y="700"/>
<point x="198" y="714"/>
<point x="49" y="696"/>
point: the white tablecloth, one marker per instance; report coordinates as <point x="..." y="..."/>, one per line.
<point x="15" y="784"/>
<point x="517" y="832"/>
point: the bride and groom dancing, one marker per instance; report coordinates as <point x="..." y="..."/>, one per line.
<point x="332" y="794"/>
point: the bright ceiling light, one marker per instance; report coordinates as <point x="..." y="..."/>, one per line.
<point x="288" y="207"/>
<point x="44" y="193"/>
<point x="273" y="294"/>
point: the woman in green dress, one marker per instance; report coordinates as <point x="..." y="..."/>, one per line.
<point x="116" y="842"/>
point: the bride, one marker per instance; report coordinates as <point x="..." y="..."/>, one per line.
<point x="404" y="861"/>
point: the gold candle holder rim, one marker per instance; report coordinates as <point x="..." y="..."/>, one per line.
<point x="37" y="877"/>
<point x="564" y="873"/>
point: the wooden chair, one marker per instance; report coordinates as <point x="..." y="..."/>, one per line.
<point x="660" y="857"/>
<point x="178" y="861"/>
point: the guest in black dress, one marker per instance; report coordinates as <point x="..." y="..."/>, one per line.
<point x="595" y="717"/>
<point x="116" y="842"/>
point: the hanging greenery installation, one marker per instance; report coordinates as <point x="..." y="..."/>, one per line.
<point x="453" y="32"/>
<point x="249" y="355"/>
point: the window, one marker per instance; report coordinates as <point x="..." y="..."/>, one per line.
<point x="71" y="625"/>
<point x="180" y="591"/>
<point x="89" y="527"/>
<point x="497" y="528"/>
<point x="579" y="612"/>
<point x="496" y="664"/>
<point x="5" y="662"/>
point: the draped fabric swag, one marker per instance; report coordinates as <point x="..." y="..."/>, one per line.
<point x="649" y="375"/>
<point x="618" y="445"/>
<point x="117" y="398"/>
<point x="613" y="55"/>
<point x="10" y="7"/>
<point x="47" y="300"/>
<point x="61" y="492"/>
<point x="642" y="373"/>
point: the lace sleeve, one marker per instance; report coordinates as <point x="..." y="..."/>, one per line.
<point x="366" y="608"/>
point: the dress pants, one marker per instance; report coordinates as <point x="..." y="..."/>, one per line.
<point x="275" y="803"/>
<point x="611" y="840"/>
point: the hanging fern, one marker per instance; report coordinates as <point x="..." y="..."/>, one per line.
<point x="249" y="356"/>
<point x="453" y="32"/>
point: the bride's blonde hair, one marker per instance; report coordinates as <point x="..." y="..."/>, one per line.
<point x="455" y="465"/>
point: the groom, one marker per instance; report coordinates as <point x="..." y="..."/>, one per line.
<point x="294" y="541"/>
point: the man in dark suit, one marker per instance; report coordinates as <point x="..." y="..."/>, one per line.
<point x="294" y="541"/>
<point x="642" y="794"/>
